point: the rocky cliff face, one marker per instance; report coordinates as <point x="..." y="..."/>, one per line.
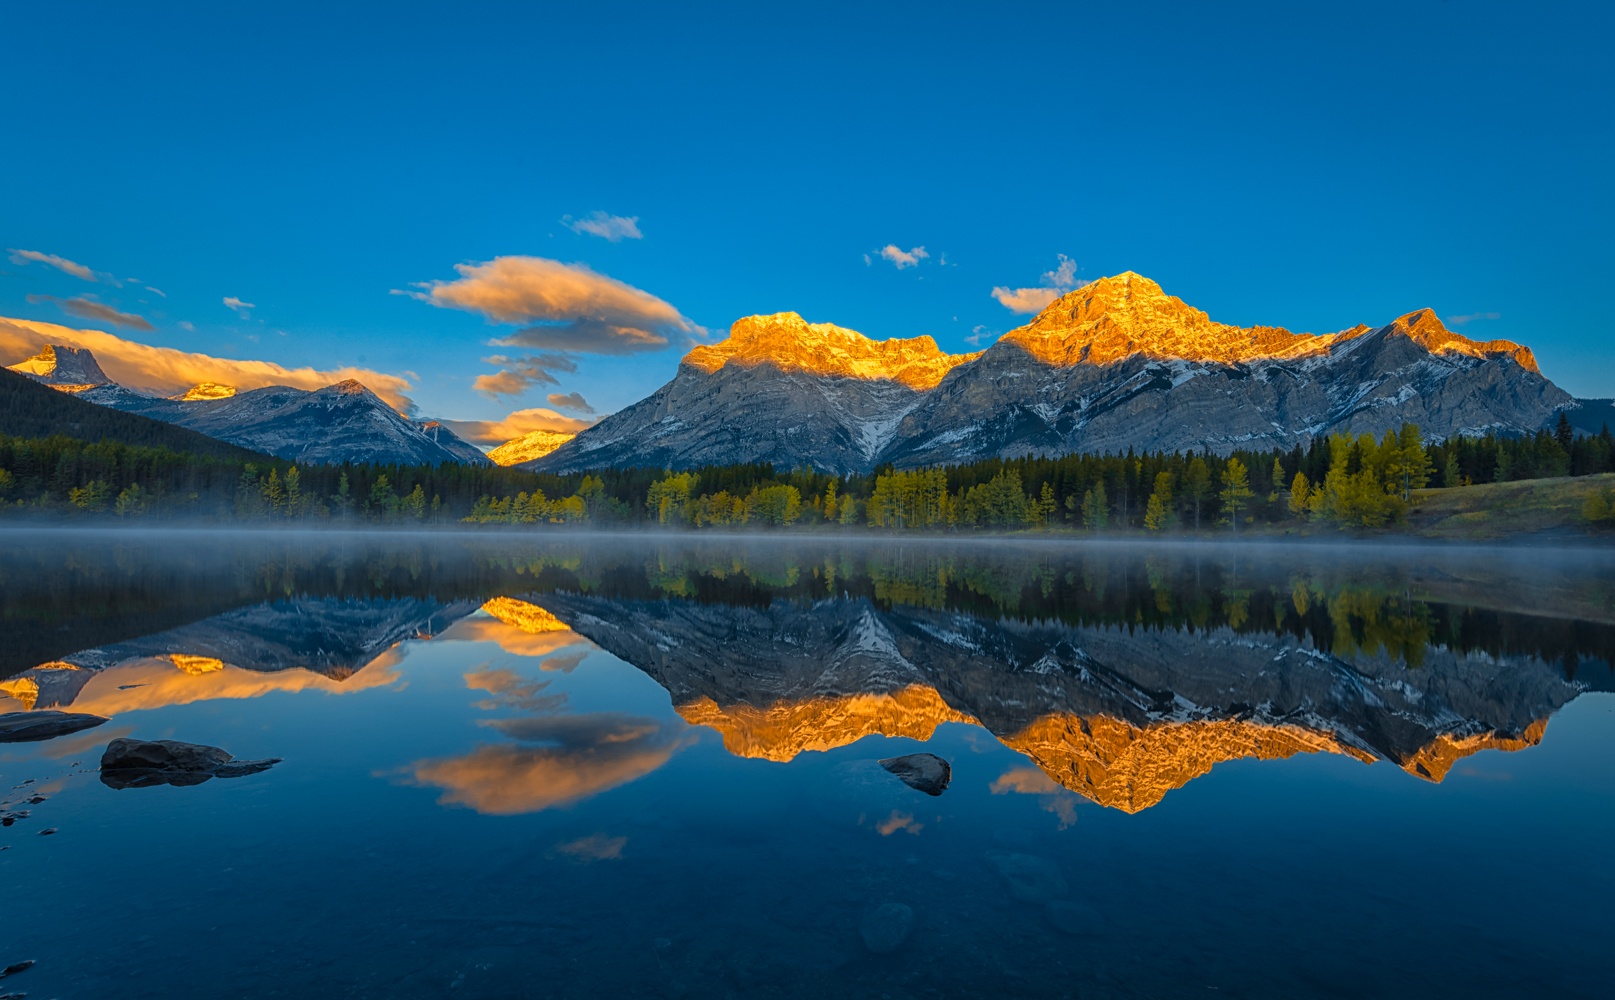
<point x="1121" y="717"/>
<point x="345" y="422"/>
<point x="71" y="369"/>
<point x="1115" y="364"/>
<point x="779" y="390"/>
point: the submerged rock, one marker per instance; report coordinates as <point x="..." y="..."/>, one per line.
<point x="886" y="927"/>
<point x="924" y="771"/>
<point x="16" y="967"/>
<point x="29" y="727"/>
<point x="143" y="763"/>
<point x="1031" y="879"/>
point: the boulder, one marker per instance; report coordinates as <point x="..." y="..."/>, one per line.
<point x="143" y="763"/>
<point x="29" y="727"/>
<point x="924" y="771"/>
<point x="886" y="927"/>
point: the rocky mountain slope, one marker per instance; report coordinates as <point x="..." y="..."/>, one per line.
<point x="777" y="390"/>
<point x="1115" y="364"/>
<point x="29" y="409"/>
<point x="345" y="422"/>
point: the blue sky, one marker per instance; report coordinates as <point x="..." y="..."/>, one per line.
<point x="1275" y="164"/>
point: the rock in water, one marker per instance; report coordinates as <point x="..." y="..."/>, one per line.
<point x="924" y="771"/>
<point x="886" y="927"/>
<point x="28" y="727"/>
<point x="141" y="764"/>
<point x="1031" y="879"/>
<point x="1078" y="919"/>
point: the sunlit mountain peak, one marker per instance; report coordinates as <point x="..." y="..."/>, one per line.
<point x="70" y="369"/>
<point x="205" y="391"/>
<point x="529" y="618"/>
<point x="1127" y="314"/>
<point x="787" y="341"/>
<point x="533" y="444"/>
<point x="195" y="665"/>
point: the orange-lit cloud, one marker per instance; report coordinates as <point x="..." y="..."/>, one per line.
<point x="62" y="264"/>
<point x="515" y="425"/>
<point x="1031" y="781"/>
<point x="521" y="374"/>
<point x="898" y="821"/>
<point x="164" y="371"/>
<point x="559" y="760"/>
<point x="612" y="228"/>
<point x="85" y="308"/>
<point x="569" y="306"/>
<point x="1055" y="284"/>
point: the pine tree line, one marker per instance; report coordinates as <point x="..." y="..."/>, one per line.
<point x="1360" y="482"/>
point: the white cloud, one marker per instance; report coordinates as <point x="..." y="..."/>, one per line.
<point x="569" y="306"/>
<point x="1063" y="276"/>
<point x="59" y="263"/>
<point x="240" y="308"/>
<point x="903" y="258"/>
<point x="979" y="334"/>
<point x="613" y="228"/>
<point x="163" y="371"/>
<point x="186" y="325"/>
<point x="1030" y="300"/>
<point x="1472" y="317"/>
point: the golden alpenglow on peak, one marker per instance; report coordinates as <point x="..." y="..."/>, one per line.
<point x="1127" y="314"/>
<point x="533" y="444"/>
<point x="529" y="618"/>
<point x="790" y="343"/>
<point x="206" y="390"/>
<point x="1426" y="329"/>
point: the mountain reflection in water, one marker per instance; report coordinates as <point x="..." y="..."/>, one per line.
<point x="1120" y="677"/>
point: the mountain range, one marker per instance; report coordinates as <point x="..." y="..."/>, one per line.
<point x="1117" y="363"/>
<point x="345" y="422"/>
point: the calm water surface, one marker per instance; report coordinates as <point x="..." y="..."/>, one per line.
<point x="581" y="766"/>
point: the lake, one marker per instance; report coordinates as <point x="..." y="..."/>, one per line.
<point x="535" y="765"/>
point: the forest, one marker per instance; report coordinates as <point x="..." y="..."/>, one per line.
<point x="1361" y="483"/>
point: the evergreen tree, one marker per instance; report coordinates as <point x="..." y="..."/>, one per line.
<point x="1197" y="485"/>
<point x="1096" y="508"/>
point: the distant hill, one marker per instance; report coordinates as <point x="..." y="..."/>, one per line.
<point x="345" y="422"/>
<point x="1591" y="416"/>
<point x="31" y="409"/>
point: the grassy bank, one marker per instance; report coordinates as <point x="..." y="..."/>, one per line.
<point x="1506" y="510"/>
